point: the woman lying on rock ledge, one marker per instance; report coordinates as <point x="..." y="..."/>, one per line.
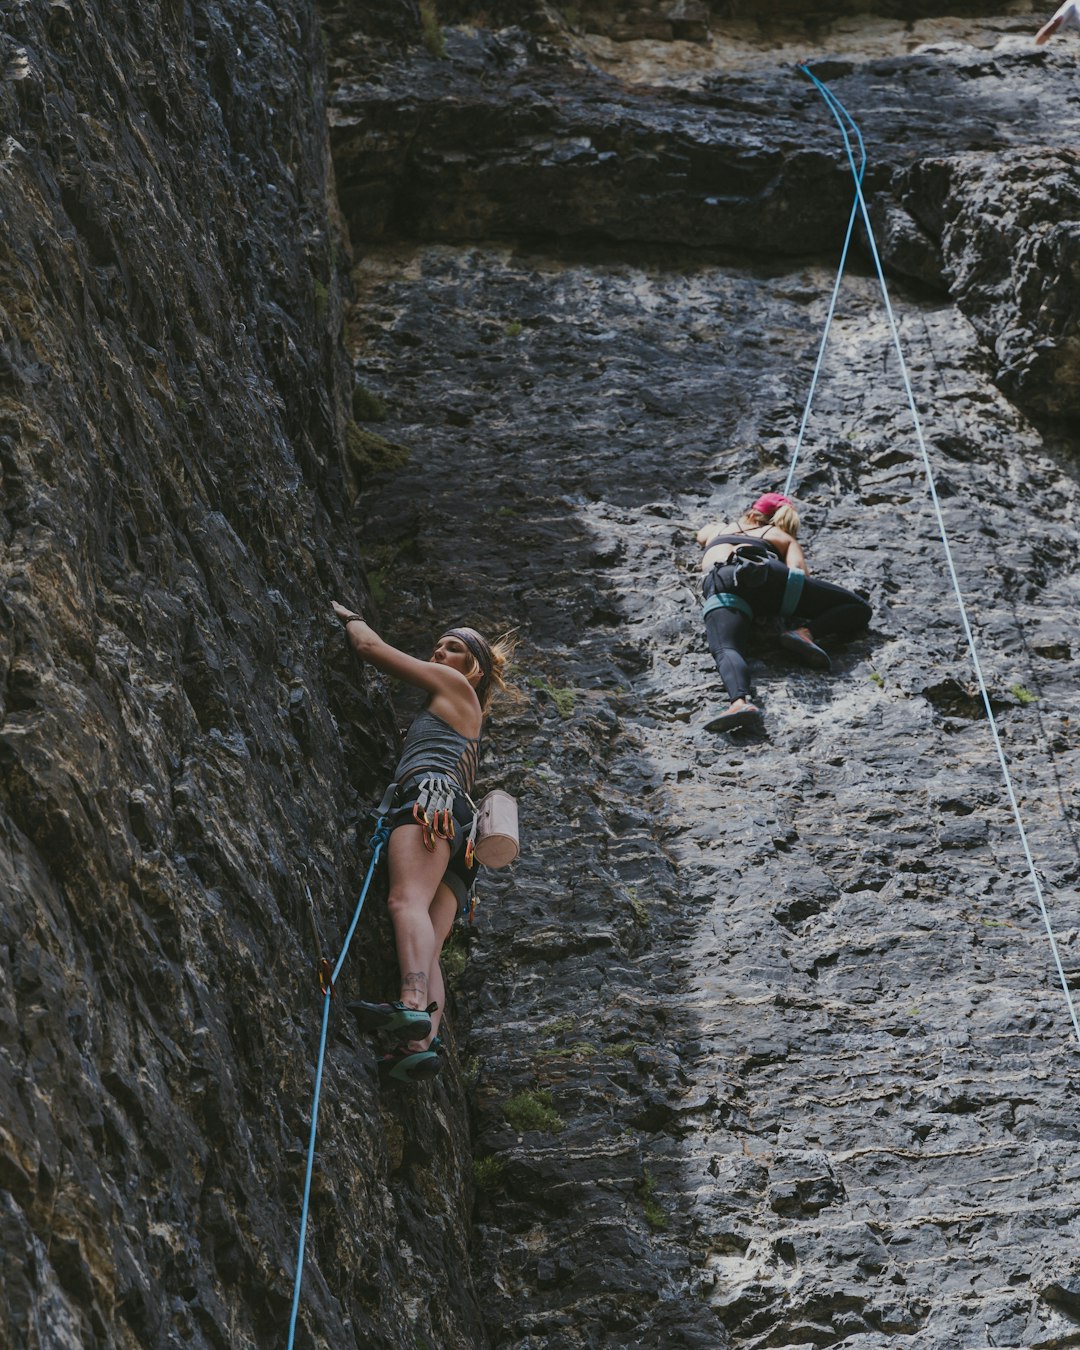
<point x="754" y="568"/>
<point x="430" y="820"/>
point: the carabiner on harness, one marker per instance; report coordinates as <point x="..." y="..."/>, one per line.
<point x="434" y="810"/>
<point x="470" y="842"/>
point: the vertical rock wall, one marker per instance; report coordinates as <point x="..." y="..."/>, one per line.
<point x="183" y="745"/>
<point x="768" y="1042"/>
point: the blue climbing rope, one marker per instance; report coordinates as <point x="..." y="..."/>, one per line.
<point x="832" y="299"/>
<point x="378" y="840"/>
<point x="840" y="113"/>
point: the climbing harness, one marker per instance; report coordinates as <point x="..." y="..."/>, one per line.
<point x="841" y="115"/>
<point x="749" y="564"/>
<point x="788" y="605"/>
<point x="327" y="979"/>
<point x="793" y="589"/>
<point x="434" y="809"/>
<point x="725" y="600"/>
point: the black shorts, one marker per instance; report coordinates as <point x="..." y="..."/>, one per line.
<point x="457" y="876"/>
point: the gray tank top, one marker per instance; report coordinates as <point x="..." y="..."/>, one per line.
<point x="433" y="746"/>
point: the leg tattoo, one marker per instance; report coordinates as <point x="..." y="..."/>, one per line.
<point x="415" y="982"/>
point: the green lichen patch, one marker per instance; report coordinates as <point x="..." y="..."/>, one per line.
<point x="650" y="1206"/>
<point x="371" y="453"/>
<point x="533" y="1110"/>
<point x="488" y="1173"/>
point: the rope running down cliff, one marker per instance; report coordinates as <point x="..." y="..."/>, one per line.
<point x="327" y="979"/>
<point x="840" y="113"/>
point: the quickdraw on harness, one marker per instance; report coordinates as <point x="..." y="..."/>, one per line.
<point x="434" y="810"/>
<point x="470" y="848"/>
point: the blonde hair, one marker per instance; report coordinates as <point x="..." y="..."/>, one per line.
<point x="502" y="651"/>
<point x="785" y="517"/>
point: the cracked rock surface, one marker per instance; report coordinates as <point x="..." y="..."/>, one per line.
<point x="761" y="1042"/>
<point x="791" y="997"/>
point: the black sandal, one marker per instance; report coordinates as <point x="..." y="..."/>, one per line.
<point x="809" y="653"/>
<point x="732" y="721"/>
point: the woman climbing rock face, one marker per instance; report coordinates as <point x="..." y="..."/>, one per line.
<point x="753" y="568"/>
<point x="430" y="864"/>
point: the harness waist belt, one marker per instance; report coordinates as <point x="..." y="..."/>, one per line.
<point x="725" y="600"/>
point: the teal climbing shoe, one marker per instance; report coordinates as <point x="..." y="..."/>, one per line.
<point x="393" y="1017"/>
<point x="403" y="1065"/>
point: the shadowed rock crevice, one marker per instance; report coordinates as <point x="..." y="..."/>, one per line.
<point x="183" y="742"/>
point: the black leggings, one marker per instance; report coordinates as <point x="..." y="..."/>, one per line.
<point x="826" y="609"/>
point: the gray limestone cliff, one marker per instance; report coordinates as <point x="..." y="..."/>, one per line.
<point x="761" y="1042"/>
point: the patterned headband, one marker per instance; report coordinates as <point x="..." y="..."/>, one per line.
<point x="478" y="647"/>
